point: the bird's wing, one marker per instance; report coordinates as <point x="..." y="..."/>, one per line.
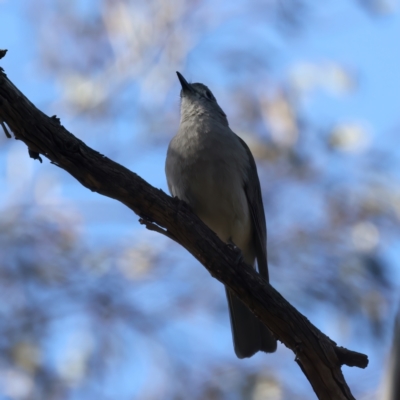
<point x="253" y="193"/>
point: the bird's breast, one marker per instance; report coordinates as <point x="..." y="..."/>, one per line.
<point x="208" y="172"/>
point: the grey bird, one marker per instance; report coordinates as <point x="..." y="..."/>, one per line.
<point x="212" y="169"/>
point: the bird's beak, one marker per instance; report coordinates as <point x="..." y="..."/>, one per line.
<point x="186" y="87"/>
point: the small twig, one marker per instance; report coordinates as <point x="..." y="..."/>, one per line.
<point x="155" y="228"/>
<point x="5" y="128"/>
<point x="35" y="155"/>
<point x="351" y="358"/>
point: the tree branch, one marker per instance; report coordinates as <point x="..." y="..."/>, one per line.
<point x="318" y="356"/>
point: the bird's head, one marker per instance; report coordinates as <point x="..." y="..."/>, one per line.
<point x="198" y="101"/>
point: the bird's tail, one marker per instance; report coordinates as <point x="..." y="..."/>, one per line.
<point x="249" y="333"/>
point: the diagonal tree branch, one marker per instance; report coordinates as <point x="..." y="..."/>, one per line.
<point x="317" y="355"/>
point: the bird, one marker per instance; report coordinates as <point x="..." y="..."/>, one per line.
<point x="213" y="170"/>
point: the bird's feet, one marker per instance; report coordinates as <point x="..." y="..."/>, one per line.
<point x="239" y="254"/>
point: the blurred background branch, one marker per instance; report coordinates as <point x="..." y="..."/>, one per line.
<point x="391" y="384"/>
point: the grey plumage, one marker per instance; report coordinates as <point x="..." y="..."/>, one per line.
<point x="213" y="170"/>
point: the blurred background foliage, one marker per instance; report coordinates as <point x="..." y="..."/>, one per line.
<point x="96" y="307"/>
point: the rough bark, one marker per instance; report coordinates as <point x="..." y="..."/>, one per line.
<point x="317" y="355"/>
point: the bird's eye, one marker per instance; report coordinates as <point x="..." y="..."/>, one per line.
<point x="209" y="95"/>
